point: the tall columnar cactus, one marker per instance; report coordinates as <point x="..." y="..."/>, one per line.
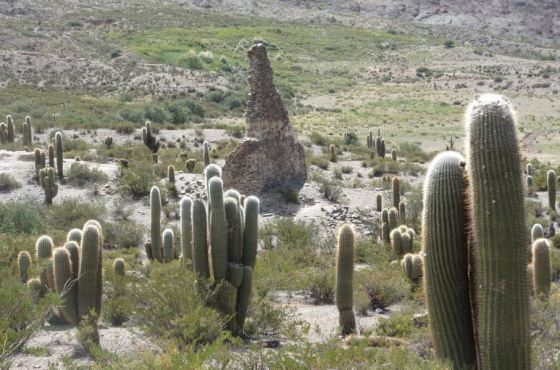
<point x="39" y="162"/>
<point x="406" y="243"/>
<point x="551" y="185"/>
<point x="344" y="279"/>
<point x="250" y="231"/>
<point x="119" y="283"/>
<point x="332" y="151"/>
<point x="541" y="267"/>
<point x="393" y="218"/>
<point x="90" y="265"/>
<point x="378" y="202"/>
<point x="168" y="245"/>
<point x="186" y="229"/>
<point x="385" y="233"/>
<point x="74" y="235"/>
<point x="396" y="185"/>
<point x="47" y="181"/>
<point x="199" y="239"/>
<point x="171" y="174"/>
<point x="149" y="139"/>
<point x="412" y="266"/>
<point x="217" y="228"/>
<point x="529" y="169"/>
<point x="235" y="230"/>
<point x="43" y="248"/>
<point x="10" y="128"/>
<point x="402" y="213"/>
<point x="73" y="249"/>
<point x="155" y="208"/>
<point x="206" y="153"/>
<point x="444" y="245"/>
<point x="65" y="284"/>
<point x="394" y="154"/>
<point x="396" y="242"/>
<point x="382" y="149"/>
<point x="496" y="198"/>
<point x="3" y="133"/>
<point x="24" y="263"/>
<point x="59" y="154"/>
<point x="28" y="131"/>
<point x="51" y="155"/>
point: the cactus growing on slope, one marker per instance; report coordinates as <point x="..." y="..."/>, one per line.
<point x="344" y="279"/>
<point x="498" y="230"/>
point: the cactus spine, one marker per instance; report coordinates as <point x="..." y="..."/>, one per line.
<point x="186" y="228"/>
<point x="59" y="158"/>
<point x="541" y="267"/>
<point x="47" y="181"/>
<point x="155" y="208"/>
<point x="446" y="260"/>
<point x="499" y="231"/>
<point x="168" y="245"/>
<point x="24" y="263"/>
<point x="344" y="279"/>
<point x="551" y="185"/>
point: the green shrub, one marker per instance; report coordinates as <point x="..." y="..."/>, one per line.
<point x="290" y="195"/>
<point x="73" y="212"/>
<point x="172" y="305"/>
<point x="137" y="179"/>
<point x="124" y="234"/>
<point x="20" y="217"/>
<point x="449" y="44"/>
<point x="321" y="286"/>
<point x="397" y="325"/>
<point x="80" y="174"/>
<point x="8" y="183"/>
<point x="331" y="189"/>
<point x="318" y="139"/>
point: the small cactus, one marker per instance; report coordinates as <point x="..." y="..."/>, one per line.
<point x="394" y="154"/>
<point x="412" y="266"/>
<point x="344" y="279"/>
<point x="332" y="150"/>
<point x="402" y="213"/>
<point x="385" y="215"/>
<point x="39" y="157"/>
<point x="149" y="139"/>
<point x="393" y="218"/>
<point x="529" y="169"/>
<point x="530" y="183"/>
<point x="74" y="235"/>
<point x="108" y="142"/>
<point x="3" y="133"/>
<point x="118" y="267"/>
<point x="541" y="267"/>
<point x="47" y="181"/>
<point x="59" y="154"/>
<point x="51" y="155"/>
<point x="168" y="245"/>
<point x="206" y="153"/>
<point x="551" y="185"/>
<point x="396" y="242"/>
<point x="10" y="129"/>
<point x="378" y="202"/>
<point x="396" y="191"/>
<point x="385" y="236"/>
<point x="190" y="164"/>
<point x="24" y="263"/>
<point x="171" y="174"/>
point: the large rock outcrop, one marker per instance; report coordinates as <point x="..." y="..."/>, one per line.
<point x="271" y="155"/>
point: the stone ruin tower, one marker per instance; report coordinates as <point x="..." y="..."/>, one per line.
<point x="271" y="155"/>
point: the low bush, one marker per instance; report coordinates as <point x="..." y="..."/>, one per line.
<point x="73" y="212"/>
<point x="8" y="183"/>
<point x="19" y="217"/>
<point x="80" y="174"/>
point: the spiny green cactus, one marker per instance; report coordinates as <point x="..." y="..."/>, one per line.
<point x="250" y="231"/>
<point x="199" y="239"/>
<point x="406" y="244"/>
<point x="344" y="279"/>
<point x="394" y="154"/>
<point x="155" y="208"/>
<point x="412" y="266"/>
<point x="496" y="199"/>
<point x="382" y="148"/>
<point x="171" y="174"/>
<point x="168" y="245"/>
<point x="118" y="267"/>
<point x="446" y="260"/>
<point x="10" y="129"/>
<point x="36" y="288"/>
<point x="74" y="235"/>
<point x="73" y="249"/>
<point x="43" y="247"/>
<point x="47" y="181"/>
<point x="206" y="154"/>
<point x="90" y="265"/>
<point x="541" y="267"/>
<point x="186" y="228"/>
<point x="65" y="284"/>
<point x="393" y="218"/>
<point x="385" y="233"/>
<point x="24" y="263"/>
<point x="396" y="242"/>
<point x="332" y="151"/>
<point x="51" y="156"/>
<point x="39" y="162"/>
<point x="119" y="283"/>
<point x="529" y="183"/>
<point x="28" y="131"/>
<point x="402" y="213"/>
<point x="385" y="215"/>
<point x="529" y="169"/>
<point x="395" y="183"/>
<point x="235" y="231"/>
<point x="551" y="185"/>
<point x="3" y="133"/>
<point x="149" y="139"/>
<point x="108" y="142"/>
<point x="537" y="232"/>
<point x="217" y="228"/>
<point x="59" y="154"/>
<point x="378" y="202"/>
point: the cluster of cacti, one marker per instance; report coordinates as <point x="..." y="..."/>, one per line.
<point x="108" y="142"/>
<point x="332" y="151"/>
<point x="47" y="181"/>
<point x="344" y="279"/>
<point x="27" y="132"/>
<point x="370" y="141"/>
<point x="540" y="267"/>
<point x="411" y="265"/>
<point x="206" y="153"/>
<point x="59" y="154"/>
<point x="551" y="186"/>
<point x="149" y="139"/>
<point x="402" y="240"/>
<point x="478" y="298"/>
